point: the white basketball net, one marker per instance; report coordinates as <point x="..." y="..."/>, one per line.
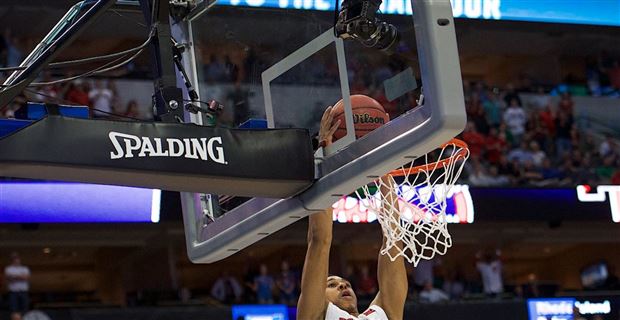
<point x="410" y="203"/>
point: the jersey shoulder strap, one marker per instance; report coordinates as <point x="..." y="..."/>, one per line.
<point x="374" y="312"/>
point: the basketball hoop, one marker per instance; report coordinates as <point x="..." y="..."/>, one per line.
<point x="410" y="203"/>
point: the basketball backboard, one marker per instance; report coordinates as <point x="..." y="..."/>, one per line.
<point x="286" y="66"/>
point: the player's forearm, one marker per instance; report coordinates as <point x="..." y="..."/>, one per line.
<point x="392" y="275"/>
<point x="312" y="301"/>
<point x="393" y="286"/>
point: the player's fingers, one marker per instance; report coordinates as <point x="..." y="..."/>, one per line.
<point x="333" y="129"/>
<point x="330" y="115"/>
<point x="326" y="114"/>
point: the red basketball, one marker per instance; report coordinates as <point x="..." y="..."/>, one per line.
<point x="368" y="115"/>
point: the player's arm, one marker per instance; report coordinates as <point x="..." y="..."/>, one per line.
<point x="392" y="276"/>
<point x="312" y="301"/>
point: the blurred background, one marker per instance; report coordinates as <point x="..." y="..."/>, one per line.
<point x="542" y="92"/>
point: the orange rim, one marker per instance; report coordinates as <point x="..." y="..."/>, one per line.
<point x="462" y="151"/>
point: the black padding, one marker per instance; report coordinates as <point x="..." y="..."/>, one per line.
<point x="266" y="163"/>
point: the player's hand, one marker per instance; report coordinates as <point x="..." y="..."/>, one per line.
<point x="327" y="129"/>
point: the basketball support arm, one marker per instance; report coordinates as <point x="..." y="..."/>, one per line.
<point x="68" y="28"/>
<point x="168" y="97"/>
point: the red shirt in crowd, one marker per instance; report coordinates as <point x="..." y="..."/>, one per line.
<point x="546" y="118"/>
<point x="78" y="96"/>
<point x="615" y="179"/>
<point x="475" y="141"/>
<point x="494" y="145"/>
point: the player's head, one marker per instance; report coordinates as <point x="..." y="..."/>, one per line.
<point x="340" y="293"/>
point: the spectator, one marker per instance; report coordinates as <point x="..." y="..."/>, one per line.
<point x="495" y="179"/>
<point x="585" y="172"/>
<point x="77" y="93"/>
<point x="132" y="111"/>
<point x="511" y="94"/>
<point x="111" y="85"/>
<point x="14" y="54"/>
<point x="101" y="99"/>
<point x="615" y="179"/>
<point x="431" y="294"/>
<point x="215" y="70"/>
<point x="547" y="119"/>
<point x="481" y="90"/>
<point x="475" y="113"/>
<point x="240" y="102"/>
<point x="505" y="132"/>
<point x="227" y="289"/>
<point x="45" y="93"/>
<point x="593" y="77"/>
<point x="478" y="175"/>
<point x="17" y="277"/>
<point x="521" y="154"/>
<point x="587" y="144"/>
<point x="263" y="285"/>
<point x="249" y="291"/>
<point x="515" y="119"/>
<point x="454" y="286"/>
<point x="490" y="268"/>
<point x="495" y="145"/>
<point x="537" y="155"/>
<point x="232" y="70"/>
<point x="541" y="100"/>
<point x="536" y="131"/>
<point x="549" y="173"/>
<point x="367" y="284"/>
<point x="493" y="109"/>
<point x="575" y="138"/>
<point x="566" y="103"/>
<point x="252" y="65"/>
<point x="531" y="174"/>
<point x="507" y="168"/>
<point x="606" y="147"/>
<point x="287" y="284"/>
<point x="563" y="124"/>
<point x="606" y="170"/>
<point x="474" y="140"/>
<point x="423" y="273"/>
<point x="568" y="171"/>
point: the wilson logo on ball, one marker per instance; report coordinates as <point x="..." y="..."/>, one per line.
<point x="367" y="118"/>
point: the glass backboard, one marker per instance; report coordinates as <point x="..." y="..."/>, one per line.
<point x="285" y="67"/>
